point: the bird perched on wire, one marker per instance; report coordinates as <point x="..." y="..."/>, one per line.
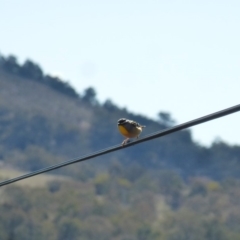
<point x="129" y="129"/>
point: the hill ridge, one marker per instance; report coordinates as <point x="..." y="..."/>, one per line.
<point x="41" y="124"/>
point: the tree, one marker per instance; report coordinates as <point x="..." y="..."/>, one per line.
<point x="60" y="86"/>
<point x="110" y="106"/>
<point x="10" y="64"/>
<point x="69" y="229"/>
<point x="31" y="70"/>
<point x="89" y="96"/>
<point x="166" y="119"/>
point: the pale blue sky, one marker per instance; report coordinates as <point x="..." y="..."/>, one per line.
<point x="149" y="56"/>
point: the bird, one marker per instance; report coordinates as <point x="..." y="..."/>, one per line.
<point x="129" y="129"/>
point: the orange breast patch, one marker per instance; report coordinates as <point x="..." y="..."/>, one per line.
<point x="123" y="131"/>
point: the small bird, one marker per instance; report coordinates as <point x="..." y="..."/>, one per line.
<point x="129" y="129"/>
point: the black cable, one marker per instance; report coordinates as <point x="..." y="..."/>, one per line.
<point x="118" y="147"/>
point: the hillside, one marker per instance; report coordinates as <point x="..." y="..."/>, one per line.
<point x="171" y="188"/>
<point x="44" y="115"/>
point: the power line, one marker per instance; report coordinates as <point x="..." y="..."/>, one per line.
<point x="118" y="147"/>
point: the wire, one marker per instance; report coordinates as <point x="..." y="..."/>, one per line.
<point x="118" y="147"/>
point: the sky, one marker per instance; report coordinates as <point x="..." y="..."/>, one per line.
<point x="181" y="57"/>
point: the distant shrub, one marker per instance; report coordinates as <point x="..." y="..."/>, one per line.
<point x="60" y="86"/>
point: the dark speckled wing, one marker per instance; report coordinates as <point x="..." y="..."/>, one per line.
<point x="129" y="125"/>
<point x="135" y="124"/>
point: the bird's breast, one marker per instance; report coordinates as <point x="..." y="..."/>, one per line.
<point x="131" y="133"/>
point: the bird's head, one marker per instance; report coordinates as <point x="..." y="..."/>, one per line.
<point x="121" y="121"/>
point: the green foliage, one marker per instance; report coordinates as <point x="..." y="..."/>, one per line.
<point x="145" y="233"/>
<point x="10" y="64"/>
<point x="165" y="118"/>
<point x="60" y="86"/>
<point x="72" y="210"/>
<point x="70" y="229"/>
<point x="89" y="96"/>
<point x="31" y="70"/>
<point x="101" y="183"/>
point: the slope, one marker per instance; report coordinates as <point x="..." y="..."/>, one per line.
<point x="43" y="121"/>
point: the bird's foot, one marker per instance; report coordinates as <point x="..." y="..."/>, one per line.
<point x="125" y="141"/>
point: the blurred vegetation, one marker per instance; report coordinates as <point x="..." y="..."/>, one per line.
<point x="166" y="189"/>
<point x="117" y="207"/>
